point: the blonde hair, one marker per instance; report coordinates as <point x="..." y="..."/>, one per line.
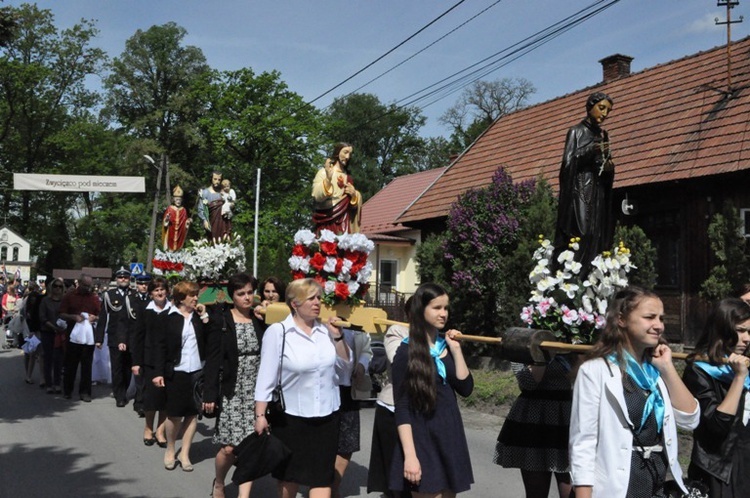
<point x="183" y="289"/>
<point x="299" y="290"/>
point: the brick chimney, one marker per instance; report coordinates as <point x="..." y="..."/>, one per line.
<point x="615" y="67"/>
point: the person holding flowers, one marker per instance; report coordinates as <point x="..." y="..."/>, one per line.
<point x="628" y="401"/>
<point x="717" y="374"/>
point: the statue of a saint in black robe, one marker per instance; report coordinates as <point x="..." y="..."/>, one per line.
<point x="586" y="177"/>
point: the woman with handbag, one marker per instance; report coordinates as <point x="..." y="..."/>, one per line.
<point x="238" y="364"/>
<point x="305" y="358"/>
<point x="182" y="347"/>
<point x="628" y="401"/>
<point x="719" y="380"/>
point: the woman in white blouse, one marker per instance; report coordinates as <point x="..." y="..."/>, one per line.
<point x="314" y="355"/>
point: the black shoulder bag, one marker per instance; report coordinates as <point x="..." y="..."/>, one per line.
<point x="277" y="406"/>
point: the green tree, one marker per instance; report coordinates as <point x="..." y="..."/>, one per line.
<point x="481" y="104"/>
<point x="43" y="74"/>
<point x="642" y="255"/>
<point x="484" y="255"/>
<point x="729" y="246"/>
<point x="254" y="121"/>
<point x="385" y="138"/>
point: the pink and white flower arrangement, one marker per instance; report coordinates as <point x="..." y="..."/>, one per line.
<point x="570" y="304"/>
<point x="337" y="262"/>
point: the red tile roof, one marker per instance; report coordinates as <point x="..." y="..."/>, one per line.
<point x="669" y="122"/>
<point x="381" y="210"/>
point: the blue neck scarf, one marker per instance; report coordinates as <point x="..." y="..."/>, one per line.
<point x="645" y="376"/>
<point x="722" y="373"/>
<point x="435" y="352"/>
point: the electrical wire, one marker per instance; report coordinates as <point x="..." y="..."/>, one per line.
<point x="388" y="52"/>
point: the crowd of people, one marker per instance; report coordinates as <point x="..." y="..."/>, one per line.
<point x="604" y="424"/>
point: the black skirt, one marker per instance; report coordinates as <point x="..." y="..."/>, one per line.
<point x="179" y="392"/>
<point x="313" y="442"/>
<point x="154" y="398"/>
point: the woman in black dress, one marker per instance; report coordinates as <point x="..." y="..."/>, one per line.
<point x="428" y="370"/>
<point x="183" y="345"/>
<point x="143" y="348"/>
<point x="721" y="443"/>
<point x="238" y="364"/>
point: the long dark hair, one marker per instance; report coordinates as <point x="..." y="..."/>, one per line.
<point x="719" y="336"/>
<point x="420" y="371"/>
<point x="614" y="337"/>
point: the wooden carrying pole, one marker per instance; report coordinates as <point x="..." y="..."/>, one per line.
<point x="518" y="344"/>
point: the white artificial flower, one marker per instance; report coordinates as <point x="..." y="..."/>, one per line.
<point x="327" y="236"/>
<point x="330" y="265"/>
<point x="353" y="287"/>
<point x="329" y="287"/>
<point x="304" y="237"/>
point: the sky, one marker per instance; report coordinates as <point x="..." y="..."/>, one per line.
<point x="317" y="44"/>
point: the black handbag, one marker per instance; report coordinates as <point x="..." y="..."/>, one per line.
<point x="198" y="381"/>
<point x="258" y="455"/>
<point x="277" y="406"/>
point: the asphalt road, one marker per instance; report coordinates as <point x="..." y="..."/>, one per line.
<point x="52" y="447"/>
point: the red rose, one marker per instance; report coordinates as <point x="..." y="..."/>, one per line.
<point x="351" y="256"/>
<point x="297" y="274"/>
<point x="300" y="250"/>
<point x="339" y="265"/>
<point x="329" y="248"/>
<point x="318" y="261"/>
<point x="355" y="268"/>
<point x="342" y="290"/>
<point x="320" y="280"/>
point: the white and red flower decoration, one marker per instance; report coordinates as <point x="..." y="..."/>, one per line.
<point x="337" y="262"/>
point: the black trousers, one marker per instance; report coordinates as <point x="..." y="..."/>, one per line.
<point x="78" y="354"/>
<point x="120" y="364"/>
<point x="53" y="360"/>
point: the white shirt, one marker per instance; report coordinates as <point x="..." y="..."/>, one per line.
<point x="310" y="369"/>
<point x="190" y="358"/>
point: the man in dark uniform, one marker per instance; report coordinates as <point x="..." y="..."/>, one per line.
<point x="140" y="302"/>
<point x="115" y="320"/>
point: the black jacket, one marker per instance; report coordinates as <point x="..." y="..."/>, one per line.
<point x="116" y="317"/>
<point x="715" y="438"/>
<point x="169" y="344"/>
<point x="221" y="375"/>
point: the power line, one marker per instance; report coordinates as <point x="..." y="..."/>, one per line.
<point x="524" y="46"/>
<point x="424" y="49"/>
<point x="388" y="52"/>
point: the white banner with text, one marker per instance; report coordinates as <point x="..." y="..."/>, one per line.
<point x="78" y="183"/>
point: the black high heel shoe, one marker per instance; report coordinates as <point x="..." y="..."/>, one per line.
<point x="149" y="442"/>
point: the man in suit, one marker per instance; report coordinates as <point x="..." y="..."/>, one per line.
<point x="116" y="318"/>
<point x="140" y="302"/>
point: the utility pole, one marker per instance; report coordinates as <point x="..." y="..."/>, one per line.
<point x="150" y="262"/>
<point x="729" y="4"/>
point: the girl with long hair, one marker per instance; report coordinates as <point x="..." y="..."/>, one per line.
<point x="717" y="375"/>
<point x="628" y="401"/>
<point x="428" y="370"/>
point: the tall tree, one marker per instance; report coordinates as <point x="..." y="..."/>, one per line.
<point x="481" y="104"/>
<point x="385" y="138"/>
<point x="149" y="88"/>
<point x="42" y="82"/>
<point x="255" y="122"/>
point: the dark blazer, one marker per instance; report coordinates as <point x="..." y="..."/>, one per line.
<point x="221" y="374"/>
<point x="115" y="322"/>
<point x="144" y="339"/>
<point x="169" y="343"/>
<point x="715" y="439"/>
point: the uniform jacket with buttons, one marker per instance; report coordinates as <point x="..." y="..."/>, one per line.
<point x="117" y="317"/>
<point x="601" y="441"/>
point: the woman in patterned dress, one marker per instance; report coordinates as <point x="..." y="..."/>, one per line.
<point x="239" y="361"/>
<point x="534" y="437"/>
<point x="628" y="401"/>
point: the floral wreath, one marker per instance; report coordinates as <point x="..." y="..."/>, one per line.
<point x="572" y="305"/>
<point x="337" y="262"/>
